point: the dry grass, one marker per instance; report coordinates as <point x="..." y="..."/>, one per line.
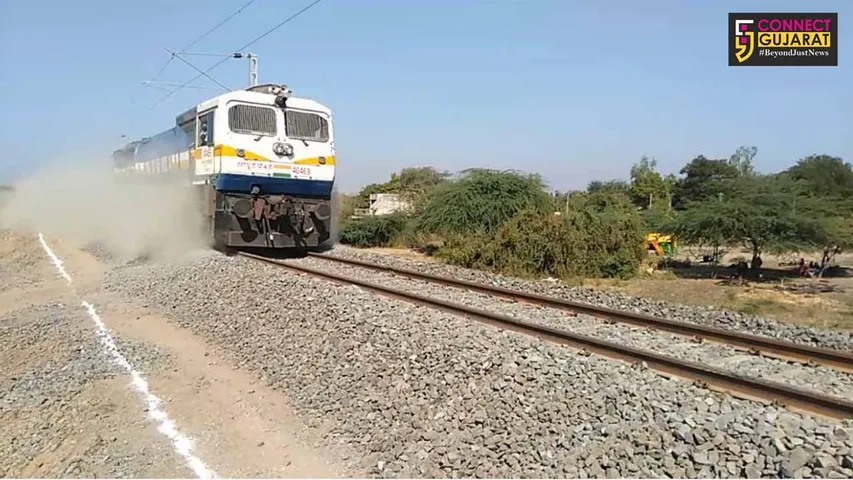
<point x="828" y="310"/>
<point x="406" y="253"/>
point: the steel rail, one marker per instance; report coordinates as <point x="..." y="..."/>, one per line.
<point x="713" y="378"/>
<point x="769" y="346"/>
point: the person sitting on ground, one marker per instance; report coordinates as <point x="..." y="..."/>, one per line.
<point x="802" y="270"/>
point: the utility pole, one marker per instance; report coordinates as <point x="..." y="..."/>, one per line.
<point x="253" y="66"/>
<point x="253" y="69"/>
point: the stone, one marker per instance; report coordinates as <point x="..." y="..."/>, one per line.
<point x="733" y="468"/>
<point x="752" y="471"/>
<point x="684" y="434"/>
<point x="797" y="459"/>
<point x="438" y="385"/>
<point x="701" y="458"/>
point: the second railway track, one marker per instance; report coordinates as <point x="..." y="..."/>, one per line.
<point x="765" y="345"/>
<point x="714" y="378"/>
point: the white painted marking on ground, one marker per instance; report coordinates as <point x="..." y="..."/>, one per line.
<point x="167" y="427"/>
<point x="182" y="444"/>
<point x="56" y="261"/>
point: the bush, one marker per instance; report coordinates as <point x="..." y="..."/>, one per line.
<point x="479" y="200"/>
<point x="599" y="236"/>
<point x="378" y="231"/>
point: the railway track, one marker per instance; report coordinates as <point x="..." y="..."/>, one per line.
<point x="757" y="344"/>
<point x="710" y="377"/>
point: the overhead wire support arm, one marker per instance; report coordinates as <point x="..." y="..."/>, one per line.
<point x="244" y="47"/>
<point x="179" y="57"/>
<point x="203" y="54"/>
<point x="190" y="45"/>
<point x="149" y="83"/>
<point x="252" y="57"/>
<point x="202" y="36"/>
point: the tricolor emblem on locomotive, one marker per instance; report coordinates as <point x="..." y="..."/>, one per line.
<point x="261" y="161"/>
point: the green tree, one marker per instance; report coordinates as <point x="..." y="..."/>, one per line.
<point x="702" y="179"/>
<point x="706" y="223"/>
<point x="659" y="218"/>
<point x="829" y="181"/>
<point x="761" y="212"/>
<point x="741" y="160"/>
<point x="826" y="176"/>
<point x="616" y="186"/>
<point x="413" y="182"/>
<point x="647" y="184"/>
<point x="835" y="235"/>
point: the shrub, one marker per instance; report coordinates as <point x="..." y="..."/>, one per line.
<point x="374" y="231"/>
<point x="479" y="200"/>
<point x="598" y="236"/>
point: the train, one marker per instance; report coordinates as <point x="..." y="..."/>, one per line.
<point x="260" y="162"/>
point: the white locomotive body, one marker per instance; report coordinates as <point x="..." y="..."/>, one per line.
<point x="263" y="163"/>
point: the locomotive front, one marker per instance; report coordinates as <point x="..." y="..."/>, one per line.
<point x="267" y="162"/>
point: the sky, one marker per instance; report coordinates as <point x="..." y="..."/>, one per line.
<point x="572" y="90"/>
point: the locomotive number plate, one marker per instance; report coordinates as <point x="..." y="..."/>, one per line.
<point x="301" y="171"/>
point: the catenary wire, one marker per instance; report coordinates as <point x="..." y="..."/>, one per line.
<point x="194" y="42"/>
<point x="285" y="21"/>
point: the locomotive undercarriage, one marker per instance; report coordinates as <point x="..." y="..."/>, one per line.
<point x="268" y="221"/>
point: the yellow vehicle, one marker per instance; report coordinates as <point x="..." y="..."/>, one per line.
<point x="660" y="244"/>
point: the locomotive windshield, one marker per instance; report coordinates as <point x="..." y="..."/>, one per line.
<point x="306" y="126"/>
<point x="252" y="120"/>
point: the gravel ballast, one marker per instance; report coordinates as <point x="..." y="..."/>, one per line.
<point x="826" y="338"/>
<point x="417" y="392"/>
<point x="56" y="420"/>
<point x="822" y="379"/>
<point x="66" y="407"/>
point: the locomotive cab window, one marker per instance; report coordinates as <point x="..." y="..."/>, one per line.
<point x="306" y="126"/>
<point x="205" y="130"/>
<point x="252" y="120"/>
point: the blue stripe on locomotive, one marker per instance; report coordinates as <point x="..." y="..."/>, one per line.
<point x="170" y="142"/>
<point x="175" y="140"/>
<point x="228" y="182"/>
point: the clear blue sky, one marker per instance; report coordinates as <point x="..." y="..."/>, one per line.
<point x="575" y="90"/>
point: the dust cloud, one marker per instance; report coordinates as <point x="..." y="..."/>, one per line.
<point x="84" y="204"/>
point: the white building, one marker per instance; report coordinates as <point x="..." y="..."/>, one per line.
<point x="386" y="203"/>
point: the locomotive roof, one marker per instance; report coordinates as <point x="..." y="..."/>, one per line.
<point x="252" y="95"/>
<point x="255" y="94"/>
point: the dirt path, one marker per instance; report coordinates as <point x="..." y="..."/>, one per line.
<point x="71" y="410"/>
